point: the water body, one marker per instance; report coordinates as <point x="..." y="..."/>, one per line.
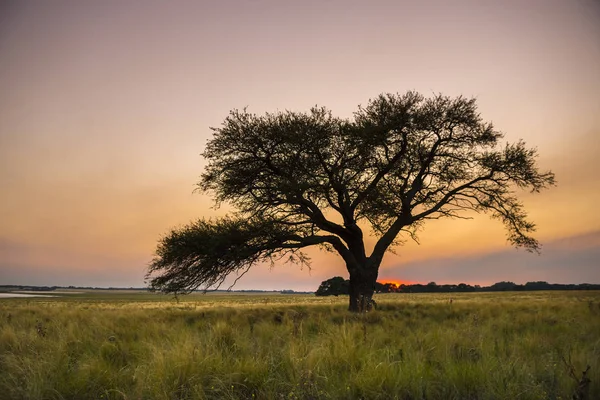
<point x="8" y="295"/>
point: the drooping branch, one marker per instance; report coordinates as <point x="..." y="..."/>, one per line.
<point x="204" y="253"/>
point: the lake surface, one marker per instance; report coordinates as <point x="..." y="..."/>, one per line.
<point x="7" y="295"/>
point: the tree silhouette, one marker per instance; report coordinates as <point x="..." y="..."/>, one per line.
<point x="333" y="287"/>
<point x="312" y="179"/>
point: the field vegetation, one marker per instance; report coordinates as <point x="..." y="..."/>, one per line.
<point x="100" y="345"/>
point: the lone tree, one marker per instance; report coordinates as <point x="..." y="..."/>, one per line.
<point x="312" y="179"/>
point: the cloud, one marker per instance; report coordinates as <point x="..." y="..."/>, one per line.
<point x="574" y="259"/>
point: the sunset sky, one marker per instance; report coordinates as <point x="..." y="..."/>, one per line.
<point x="105" y="107"/>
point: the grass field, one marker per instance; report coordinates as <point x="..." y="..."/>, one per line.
<point x="122" y="345"/>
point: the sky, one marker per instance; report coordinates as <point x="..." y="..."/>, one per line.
<point x="105" y="107"/>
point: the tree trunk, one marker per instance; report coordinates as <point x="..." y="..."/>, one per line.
<point x="362" y="287"/>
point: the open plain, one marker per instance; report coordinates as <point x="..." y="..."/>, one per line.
<point x="137" y="345"/>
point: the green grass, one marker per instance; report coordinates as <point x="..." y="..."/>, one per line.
<point x="121" y="345"/>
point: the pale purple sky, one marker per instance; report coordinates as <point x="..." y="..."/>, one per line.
<point x="105" y="107"/>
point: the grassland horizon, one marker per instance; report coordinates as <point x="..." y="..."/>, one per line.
<point x="124" y="345"/>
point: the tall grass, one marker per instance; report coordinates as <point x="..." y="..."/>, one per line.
<point x="479" y="346"/>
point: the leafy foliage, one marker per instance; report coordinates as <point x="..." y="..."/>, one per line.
<point x="339" y="286"/>
<point x="301" y="179"/>
<point x="206" y="252"/>
<point x="333" y="287"/>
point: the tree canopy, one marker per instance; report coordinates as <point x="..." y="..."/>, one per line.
<point x="299" y="179"/>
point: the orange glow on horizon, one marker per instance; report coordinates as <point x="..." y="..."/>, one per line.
<point x="396" y="282"/>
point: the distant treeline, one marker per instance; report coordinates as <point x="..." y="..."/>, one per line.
<point x="10" y="288"/>
<point x="338" y="285"/>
